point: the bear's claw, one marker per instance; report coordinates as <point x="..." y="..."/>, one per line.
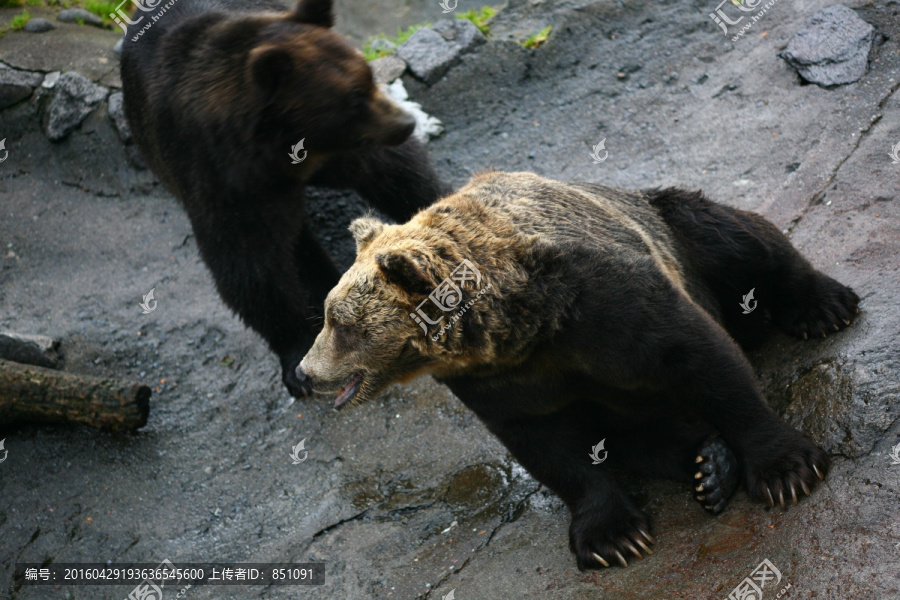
<point x="717" y="478"/>
<point x="828" y="306"/>
<point x="603" y="537"/>
<point x="776" y="478"/>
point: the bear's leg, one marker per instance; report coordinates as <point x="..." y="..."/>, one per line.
<point x="258" y="259"/>
<point x="708" y="375"/>
<point x="606" y="527"/>
<point x="397" y="180"/>
<point x="737" y="251"/>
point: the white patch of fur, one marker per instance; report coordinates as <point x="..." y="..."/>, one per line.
<point x="427" y="127"/>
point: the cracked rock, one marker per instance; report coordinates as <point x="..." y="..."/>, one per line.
<point x="16" y="86"/>
<point x="76" y="96"/>
<point x="431" y="52"/>
<point x="38" y="26"/>
<point x="74" y="15"/>
<point x="116" y="110"/>
<point x="29" y="349"/>
<point x="832" y="48"/>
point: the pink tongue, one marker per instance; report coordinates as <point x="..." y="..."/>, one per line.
<point x="345" y="392"/>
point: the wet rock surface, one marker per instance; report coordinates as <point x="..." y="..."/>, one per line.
<point x="832" y="48"/>
<point x="409" y="496"/>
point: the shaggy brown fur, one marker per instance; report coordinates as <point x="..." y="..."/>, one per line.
<point x="218" y="93"/>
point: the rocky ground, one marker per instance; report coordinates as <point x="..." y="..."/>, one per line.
<point x="408" y="496"/>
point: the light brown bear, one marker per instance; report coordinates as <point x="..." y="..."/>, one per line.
<point x="565" y="314"/>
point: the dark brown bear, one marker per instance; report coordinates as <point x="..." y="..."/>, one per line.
<point x="566" y="314"/>
<point x="219" y="94"/>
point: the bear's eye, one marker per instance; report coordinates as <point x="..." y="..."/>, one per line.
<point x="344" y="335"/>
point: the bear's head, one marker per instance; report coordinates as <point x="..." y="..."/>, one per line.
<point x="411" y="304"/>
<point x="308" y="83"/>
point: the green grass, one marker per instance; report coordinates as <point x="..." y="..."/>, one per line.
<point x="398" y="40"/>
<point x="480" y="17"/>
<point x="101" y="9"/>
<point x="535" y="40"/>
<point x="11" y="3"/>
<point x="18" y="21"/>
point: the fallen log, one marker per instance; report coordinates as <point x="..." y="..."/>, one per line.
<point x="30" y="394"/>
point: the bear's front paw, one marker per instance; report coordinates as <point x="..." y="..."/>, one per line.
<point x="717" y="477"/>
<point x="830" y="306"/>
<point x="782" y="476"/>
<point x="600" y="535"/>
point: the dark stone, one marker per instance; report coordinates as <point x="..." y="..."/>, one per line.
<point x="74" y="15"/>
<point x="38" y="26"/>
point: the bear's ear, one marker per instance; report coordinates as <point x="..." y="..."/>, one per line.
<point x="400" y="268"/>
<point x="270" y="66"/>
<point x="364" y="230"/>
<point x="313" y="12"/>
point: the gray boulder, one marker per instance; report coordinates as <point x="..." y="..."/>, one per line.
<point x="116" y="109"/>
<point x="74" y="15"/>
<point x="38" y="26"/>
<point x="29" y="349"/>
<point x="381" y="44"/>
<point x="832" y="48"/>
<point x="16" y="85"/>
<point x="430" y="53"/>
<point x="387" y="68"/>
<point x="76" y="96"/>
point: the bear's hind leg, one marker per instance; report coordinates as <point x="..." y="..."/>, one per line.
<point x="606" y="527"/>
<point x="735" y="251"/>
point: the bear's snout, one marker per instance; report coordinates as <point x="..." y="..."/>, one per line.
<point x="393" y="125"/>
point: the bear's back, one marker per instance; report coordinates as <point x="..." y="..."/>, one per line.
<point x="604" y="219"/>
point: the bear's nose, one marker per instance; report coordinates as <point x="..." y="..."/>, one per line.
<point x="302" y="377"/>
